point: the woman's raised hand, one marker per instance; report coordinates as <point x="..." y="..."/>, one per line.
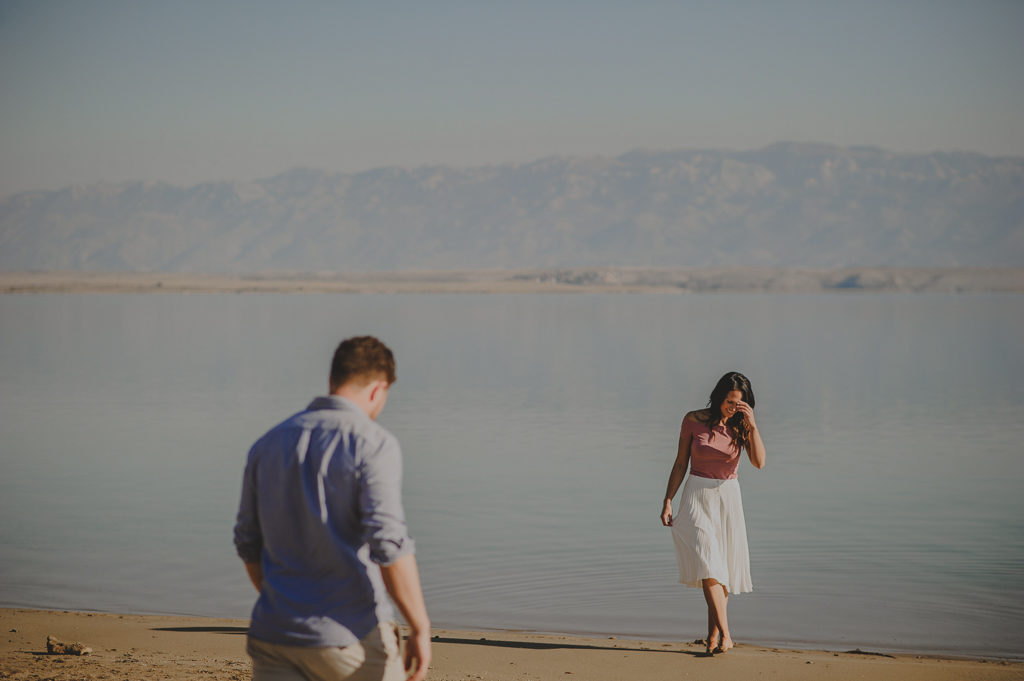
<point x="748" y="413"/>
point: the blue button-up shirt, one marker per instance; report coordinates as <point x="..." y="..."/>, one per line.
<point x="321" y="504"/>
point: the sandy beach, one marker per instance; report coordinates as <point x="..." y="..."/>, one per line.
<point x="165" y="648"/>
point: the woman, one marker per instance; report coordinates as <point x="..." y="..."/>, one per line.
<point x="709" y="531"/>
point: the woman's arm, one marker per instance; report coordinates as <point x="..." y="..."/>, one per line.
<point x="675" y="478"/>
<point x="755" y="447"/>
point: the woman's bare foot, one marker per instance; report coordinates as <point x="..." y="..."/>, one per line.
<point x="726" y="644"/>
<point x="712" y="645"/>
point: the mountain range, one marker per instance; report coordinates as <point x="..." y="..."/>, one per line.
<point x="786" y="205"/>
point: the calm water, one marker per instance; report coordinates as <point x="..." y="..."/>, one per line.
<point x="538" y="433"/>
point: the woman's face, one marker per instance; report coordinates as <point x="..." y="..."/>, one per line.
<point x="730" y="402"/>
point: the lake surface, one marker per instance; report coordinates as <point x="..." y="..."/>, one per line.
<point x="538" y="434"/>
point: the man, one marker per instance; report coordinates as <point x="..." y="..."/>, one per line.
<point x="322" y="533"/>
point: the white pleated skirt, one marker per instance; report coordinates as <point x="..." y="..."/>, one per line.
<point x="710" y="534"/>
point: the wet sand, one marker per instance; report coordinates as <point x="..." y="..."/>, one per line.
<point x="162" y="648"/>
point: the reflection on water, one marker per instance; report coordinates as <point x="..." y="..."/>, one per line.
<point x="538" y="433"/>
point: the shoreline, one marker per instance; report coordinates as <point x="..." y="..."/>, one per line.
<point x="175" y="648"/>
<point x="562" y="280"/>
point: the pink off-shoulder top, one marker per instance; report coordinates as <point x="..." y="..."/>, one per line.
<point x="712" y="454"/>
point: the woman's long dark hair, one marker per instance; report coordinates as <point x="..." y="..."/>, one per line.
<point x="733" y="380"/>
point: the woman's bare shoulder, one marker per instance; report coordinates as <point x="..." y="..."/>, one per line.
<point x="700" y="416"/>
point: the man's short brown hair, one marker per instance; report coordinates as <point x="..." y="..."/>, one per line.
<point x="362" y="357"/>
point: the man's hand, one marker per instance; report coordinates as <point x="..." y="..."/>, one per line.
<point x="417" y="655"/>
<point x="402" y="579"/>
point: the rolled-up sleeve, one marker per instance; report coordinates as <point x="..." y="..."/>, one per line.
<point x="248" y="537"/>
<point x="380" y="503"/>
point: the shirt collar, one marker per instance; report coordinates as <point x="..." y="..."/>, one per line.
<point x="335" y="402"/>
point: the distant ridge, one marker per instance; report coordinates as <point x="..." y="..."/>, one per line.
<point x="786" y="205"/>
<point x="574" y="280"/>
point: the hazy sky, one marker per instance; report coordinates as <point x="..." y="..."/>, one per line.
<point x="185" y="91"/>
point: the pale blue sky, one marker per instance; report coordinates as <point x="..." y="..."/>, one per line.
<point x="185" y="91"/>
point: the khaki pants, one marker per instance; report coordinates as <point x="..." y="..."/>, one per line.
<point x="375" y="658"/>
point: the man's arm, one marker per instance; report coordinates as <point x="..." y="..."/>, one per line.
<point x="384" y="529"/>
<point x="402" y="579"/>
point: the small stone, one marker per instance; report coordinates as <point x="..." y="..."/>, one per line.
<point x="809" y="662"/>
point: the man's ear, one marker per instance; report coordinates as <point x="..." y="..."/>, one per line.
<point x="377" y="390"/>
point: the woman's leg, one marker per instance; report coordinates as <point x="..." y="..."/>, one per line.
<point x="714" y="635"/>
<point x="726" y="643"/>
<point x="717" y="598"/>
